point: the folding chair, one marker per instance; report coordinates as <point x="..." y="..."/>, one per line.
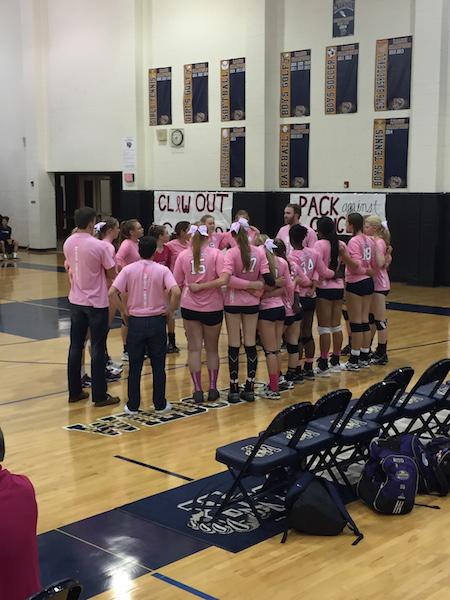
<point x="378" y="403"/>
<point x="259" y="456"/>
<point x="414" y="406"/>
<point x="67" y="589"/>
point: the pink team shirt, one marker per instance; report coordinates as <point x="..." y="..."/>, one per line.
<point x="163" y="257"/>
<point x="215" y="240"/>
<point x="111" y="250"/>
<point x="127" y="253"/>
<point x="288" y="296"/>
<point x="234" y="267"/>
<point x="147" y="284"/>
<point x="282" y="270"/>
<point x="229" y="241"/>
<point x="381" y="279"/>
<point x="308" y="242"/>
<point x="310" y="262"/>
<point x="323" y="247"/>
<point x="211" y="267"/>
<point x="362" y="249"/>
<point x="88" y="258"/>
<point x="176" y="247"/>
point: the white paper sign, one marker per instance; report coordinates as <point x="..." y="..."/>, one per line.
<point x="129" y="154"/>
<point x="171" y="207"/>
<point x="338" y="206"/>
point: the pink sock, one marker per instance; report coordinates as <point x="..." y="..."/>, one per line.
<point x="213" y="378"/>
<point x="309" y="360"/>
<point x="273" y="382"/>
<point x="197" y="379"/>
<point x="324" y="355"/>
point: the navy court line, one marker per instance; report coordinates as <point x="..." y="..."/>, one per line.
<point x="159" y="469"/>
<point x="418" y="308"/>
<point x="41" y="267"/>
<point x="183" y="586"/>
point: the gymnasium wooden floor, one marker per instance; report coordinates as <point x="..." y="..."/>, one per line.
<point x="77" y="475"/>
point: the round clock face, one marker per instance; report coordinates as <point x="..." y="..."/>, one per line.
<point x="177" y="137"/>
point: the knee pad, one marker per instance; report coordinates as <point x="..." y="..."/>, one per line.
<point x="269" y="352"/>
<point x="380" y="325"/>
<point x="356" y="327"/>
<point x="371" y="318"/>
<point x="324" y="330"/>
<point x="292" y="348"/>
<point x="365" y="327"/>
<point x="345" y="314"/>
<point x="306" y="339"/>
<point x="336" y="329"/>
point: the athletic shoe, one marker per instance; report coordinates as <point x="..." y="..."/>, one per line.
<point x="129" y="411"/>
<point x="81" y="396"/>
<point x="346" y="350"/>
<point x="247" y="396"/>
<point x="363" y="364"/>
<point x="114" y="371"/>
<point x="114" y="365"/>
<point x="308" y="374"/>
<point x="172" y="349"/>
<point x="379" y="360"/>
<point x="336" y="368"/>
<point x="108" y="401"/>
<point x="14" y="255"/>
<point x="124" y="357"/>
<point x="164" y="410"/>
<point x="322" y="372"/>
<point x="295" y="378"/>
<point x="198" y="397"/>
<point x="349" y="366"/>
<point x="86" y="381"/>
<point x="269" y="394"/>
<point x="284" y="385"/>
<point x="213" y="395"/>
<point x="111" y="377"/>
<point x="233" y="397"/>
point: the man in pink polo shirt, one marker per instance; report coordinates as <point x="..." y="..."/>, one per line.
<point x="19" y="563"/>
<point x="292" y="213"/>
<point x="91" y="265"/>
<point x="152" y="294"/>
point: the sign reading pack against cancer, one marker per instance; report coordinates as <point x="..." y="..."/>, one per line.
<point x="338" y="206"/>
<point x="171" y="207"/>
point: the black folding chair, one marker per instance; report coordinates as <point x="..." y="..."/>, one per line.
<point x="415" y="406"/>
<point x="67" y="589"/>
<point x="261" y="456"/>
<point x="378" y="403"/>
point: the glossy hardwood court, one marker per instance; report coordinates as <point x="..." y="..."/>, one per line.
<point x="78" y="475"/>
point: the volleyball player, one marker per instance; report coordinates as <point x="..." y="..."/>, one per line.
<point x="161" y="235"/>
<point x="271" y="318"/>
<point x="151" y="291"/>
<point x="179" y="243"/>
<point x="292" y="213"/>
<point x="215" y="238"/>
<point x="130" y="233"/>
<point x="374" y="228"/>
<point x="360" y="267"/>
<point x="246" y="265"/>
<point x="314" y="268"/>
<point x="198" y="271"/>
<point x="228" y="240"/>
<point x="330" y="293"/>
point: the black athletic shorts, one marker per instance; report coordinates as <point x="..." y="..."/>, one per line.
<point x="205" y="318"/>
<point x="242" y="310"/>
<point x="308" y="304"/>
<point x="361" y="288"/>
<point x="272" y="314"/>
<point x="384" y="292"/>
<point x="293" y="319"/>
<point x="330" y="294"/>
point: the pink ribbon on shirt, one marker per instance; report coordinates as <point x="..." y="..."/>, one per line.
<point x="99" y="225"/>
<point x="238" y="224"/>
<point x="269" y="245"/>
<point x="202" y="229"/>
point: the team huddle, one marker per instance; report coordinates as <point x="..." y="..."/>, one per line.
<point x="268" y="290"/>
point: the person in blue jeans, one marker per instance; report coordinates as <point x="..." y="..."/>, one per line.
<point x="152" y="294"/>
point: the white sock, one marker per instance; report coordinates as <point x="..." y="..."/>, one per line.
<point x="355" y="352"/>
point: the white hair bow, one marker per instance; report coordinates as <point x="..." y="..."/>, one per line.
<point x="99" y="225"/>
<point x="269" y="245"/>
<point x="385" y="224"/>
<point x="238" y="224"/>
<point x="202" y="229"/>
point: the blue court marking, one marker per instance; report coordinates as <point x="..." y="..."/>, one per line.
<point x="183" y="586"/>
<point x="159" y="469"/>
<point x="41" y="267"/>
<point x="418" y="308"/>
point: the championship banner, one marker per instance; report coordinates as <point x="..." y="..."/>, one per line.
<point x="295" y="83"/>
<point x="393" y="74"/>
<point x="390" y="153"/>
<point x="337" y="207"/>
<point x="195" y="97"/>
<point x="294" y="155"/>
<point x="160" y="96"/>
<point x="232" y="89"/>
<point x="343" y="18"/>
<point x="232" y="157"/>
<point x="171" y="207"/>
<point x="341" y="79"/>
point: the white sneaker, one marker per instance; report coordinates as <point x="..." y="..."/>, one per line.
<point x="363" y="364"/>
<point x="348" y="366"/>
<point x="113" y="370"/>
<point x="284" y="384"/>
<point x="269" y="394"/>
<point x="115" y="364"/>
<point x="322" y="372"/>
<point x="125" y="357"/>
<point x="164" y="410"/>
<point x="335" y="368"/>
<point x="14" y="255"/>
<point x="128" y="411"/>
